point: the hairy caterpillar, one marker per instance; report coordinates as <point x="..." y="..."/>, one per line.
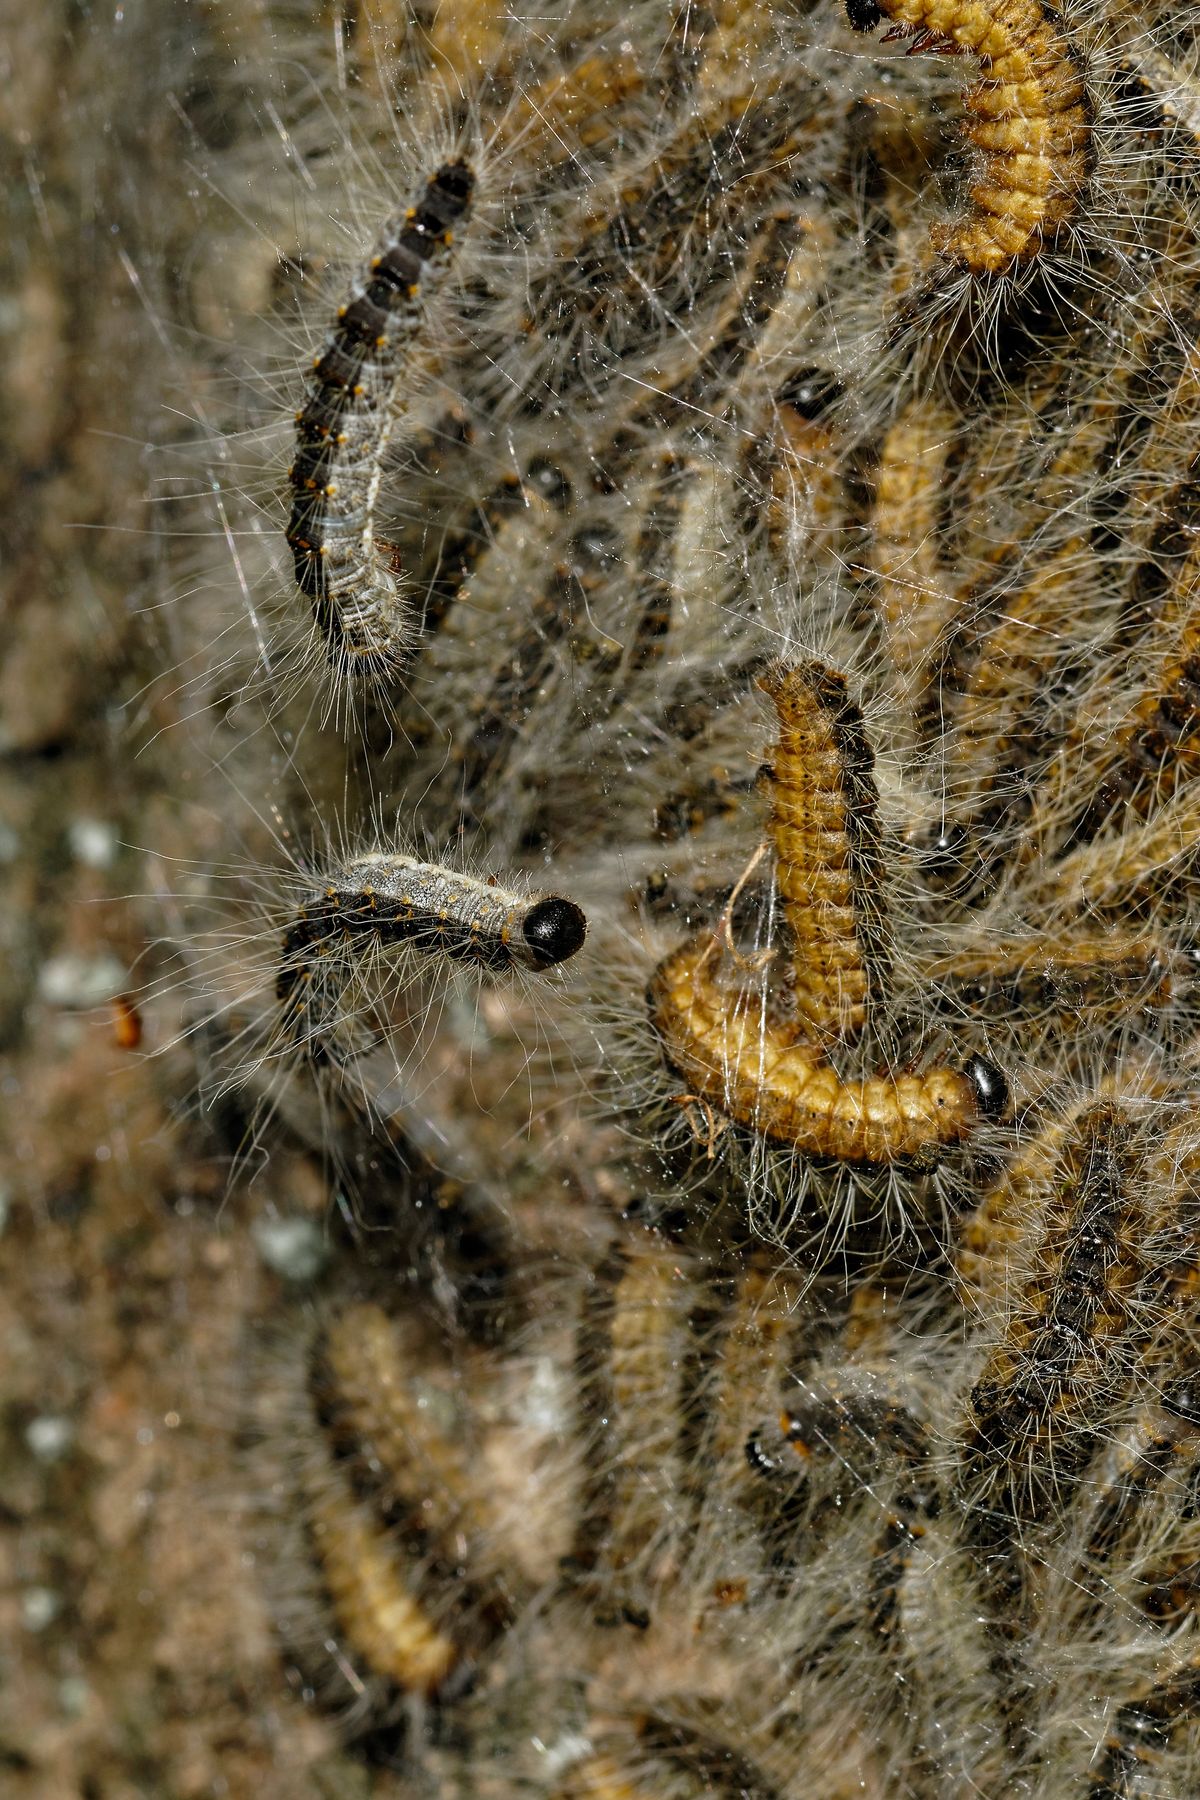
<point x="1000" y="714"/>
<point x="765" y="1323"/>
<point x="343" y="432"/>
<point x="375" y="1440"/>
<point x="1156" y="749"/>
<point x="829" y="865"/>
<point x="635" y="1340"/>
<point x="991" y="1235"/>
<point x="374" y="1604"/>
<point x="383" y="899"/>
<point x="377" y="1412"/>
<point x="762" y="1075"/>
<point x="1043" y="1393"/>
<point x="1028" y="116"/>
<point x="1075" y="979"/>
<point x="915" y="593"/>
<point x="771" y="1072"/>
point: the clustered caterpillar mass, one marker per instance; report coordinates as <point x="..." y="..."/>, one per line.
<point x="810" y="1409"/>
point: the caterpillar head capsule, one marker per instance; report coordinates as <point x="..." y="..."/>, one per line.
<point x="554" y="930"/>
<point x="989" y="1087"/>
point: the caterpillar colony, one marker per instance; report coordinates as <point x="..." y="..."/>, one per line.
<point x="696" y="618"/>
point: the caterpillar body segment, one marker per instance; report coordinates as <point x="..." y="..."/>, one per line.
<point x="768" y="1078"/>
<point x="1157" y="747"/>
<point x="608" y="1777"/>
<point x="829" y="863"/>
<point x="345" y="427"/>
<point x="1028" y="118"/>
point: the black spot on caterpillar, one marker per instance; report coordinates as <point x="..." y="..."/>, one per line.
<point x="383" y="899"/>
<point x="343" y="431"/>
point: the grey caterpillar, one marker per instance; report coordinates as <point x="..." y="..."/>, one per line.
<point x="382" y="899"/>
<point x="343" y="431"/>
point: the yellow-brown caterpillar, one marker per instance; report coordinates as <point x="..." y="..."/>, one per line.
<point x="382" y="1617"/>
<point x="765" y="1320"/>
<point x="915" y="592"/>
<point x="376" y="1408"/>
<point x="762" y="1074"/>
<point x="1028" y="117"/>
<point x="766" y="1069"/>
<point x="634" y="1347"/>
<point x="992" y="1234"/>
<point x="828" y="856"/>
<point x="1156" y="750"/>
<point x="1075" y="979"/>
<point x="1064" y="1359"/>
<point x="420" y="1561"/>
